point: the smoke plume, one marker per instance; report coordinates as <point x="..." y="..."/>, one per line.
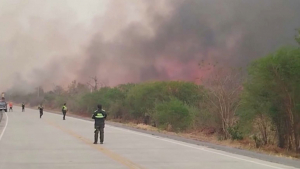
<point x="54" y="42"/>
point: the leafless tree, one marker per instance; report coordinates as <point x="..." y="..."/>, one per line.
<point x="94" y="84"/>
<point x="223" y="96"/>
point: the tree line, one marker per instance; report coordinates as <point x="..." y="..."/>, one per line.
<point x="261" y="103"/>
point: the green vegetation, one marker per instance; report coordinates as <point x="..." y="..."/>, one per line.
<point x="271" y="95"/>
<point x="173" y="113"/>
<point x="264" y="106"/>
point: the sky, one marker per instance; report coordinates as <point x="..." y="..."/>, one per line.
<point x="52" y="42"/>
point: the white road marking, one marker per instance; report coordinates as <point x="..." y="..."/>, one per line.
<point x="194" y="147"/>
<point x="4" y="126"/>
<point x="188" y="145"/>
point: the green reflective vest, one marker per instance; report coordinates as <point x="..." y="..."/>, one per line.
<point x="65" y="108"/>
<point x="99" y="116"/>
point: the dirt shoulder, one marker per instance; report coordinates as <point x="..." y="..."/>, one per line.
<point x="241" y="148"/>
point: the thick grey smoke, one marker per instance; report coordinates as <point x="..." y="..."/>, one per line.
<point x="146" y="40"/>
<point x="231" y="32"/>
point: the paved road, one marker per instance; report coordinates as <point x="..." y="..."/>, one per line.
<point x="29" y="142"/>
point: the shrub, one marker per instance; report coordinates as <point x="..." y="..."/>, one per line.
<point x="173" y="112"/>
<point x="234" y="133"/>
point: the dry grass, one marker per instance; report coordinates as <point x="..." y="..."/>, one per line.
<point x="245" y="144"/>
<point x="146" y="127"/>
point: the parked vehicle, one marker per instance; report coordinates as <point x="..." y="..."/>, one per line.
<point x="3" y="105"/>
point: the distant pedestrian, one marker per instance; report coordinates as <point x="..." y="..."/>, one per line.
<point x="23" y="107"/>
<point x="41" y="108"/>
<point x="99" y="116"/>
<point x="64" y="111"/>
<point x="10" y="106"/>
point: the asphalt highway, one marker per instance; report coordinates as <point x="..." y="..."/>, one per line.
<point x="28" y="142"/>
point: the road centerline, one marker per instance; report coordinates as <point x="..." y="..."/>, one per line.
<point x="240" y="158"/>
<point x="116" y="157"/>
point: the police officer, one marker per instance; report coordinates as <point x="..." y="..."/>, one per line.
<point x="41" y="108"/>
<point x="99" y="116"/>
<point x="64" y="111"/>
<point x="23" y="107"/>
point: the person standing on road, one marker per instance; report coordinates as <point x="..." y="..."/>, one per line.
<point x="99" y="116"/>
<point x="10" y="106"/>
<point x="64" y="111"/>
<point x="41" y="108"/>
<point x="23" y="107"/>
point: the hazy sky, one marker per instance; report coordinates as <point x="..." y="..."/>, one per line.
<point x="36" y="34"/>
<point x="52" y="42"/>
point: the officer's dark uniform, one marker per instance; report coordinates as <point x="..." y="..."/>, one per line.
<point x="99" y="116"/>
<point x="23" y="107"/>
<point x="64" y="111"/>
<point x="41" y="108"/>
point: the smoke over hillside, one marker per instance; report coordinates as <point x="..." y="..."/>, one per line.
<point x="119" y="41"/>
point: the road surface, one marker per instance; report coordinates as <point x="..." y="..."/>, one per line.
<point x="28" y="142"/>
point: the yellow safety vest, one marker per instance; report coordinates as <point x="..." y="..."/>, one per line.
<point x="99" y="116"/>
<point x="65" y="108"/>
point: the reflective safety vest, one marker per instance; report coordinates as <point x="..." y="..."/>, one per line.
<point x="99" y="116"/>
<point x="65" y="108"/>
